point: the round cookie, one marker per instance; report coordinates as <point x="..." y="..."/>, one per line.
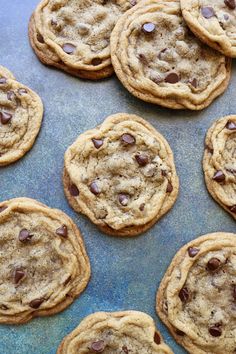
<point x="159" y="60"/>
<point x="121" y="175"/>
<point x="21" y="113"/>
<point x="75" y="35"/>
<point x="196" y="298"/>
<point x="219" y="163"/>
<point x="43" y="262"/>
<point x="118" y="332"/>
<point x="213" y="22"/>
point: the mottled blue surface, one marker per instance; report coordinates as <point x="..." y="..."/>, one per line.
<point x="125" y="272"/>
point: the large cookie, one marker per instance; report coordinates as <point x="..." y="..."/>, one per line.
<point x="213" y="22"/>
<point x="43" y="262"/>
<point x="158" y="60"/>
<point x="75" y="35"/>
<point x="219" y="163"/>
<point x="197" y="296"/>
<point x="121" y="175"/>
<point x="118" y="332"/>
<point x="21" y="112"/>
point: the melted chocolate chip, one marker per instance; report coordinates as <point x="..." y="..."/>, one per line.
<point x="215" y="330"/>
<point x="97" y="143"/>
<point x="5" y="117"/>
<point x="207" y="12"/>
<point x="219" y="176"/>
<point x="142" y="160"/>
<point x="141" y="208"/>
<point x="40" y="38"/>
<point x="24" y="236"/>
<point x="193" y="82"/>
<point x="148" y="27"/>
<point x="35" y="304"/>
<point x="184" y="294"/>
<point x="213" y="264"/>
<point x="68" y="48"/>
<point x="73" y="190"/>
<point x="2" y="208"/>
<point x="22" y="91"/>
<point x="62" y="231"/>
<point x="128" y="139"/>
<point x="233" y="209"/>
<point x="96" y="61"/>
<point x="169" y="188"/>
<point x="10" y="95"/>
<point x="231" y="125"/>
<point x="192" y="251"/>
<point x="3" y="80"/>
<point x="94" y="188"/>
<point x="230" y="4"/>
<point x="157" y="338"/>
<point x="172" y="78"/>
<point x="19" y="274"/>
<point x="123" y="199"/>
<point x="98" y="346"/>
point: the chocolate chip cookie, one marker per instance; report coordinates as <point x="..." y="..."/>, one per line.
<point x="159" y="60"/>
<point x="21" y="112"/>
<point x="43" y="262"/>
<point x="121" y="175"/>
<point x="213" y="22"/>
<point x="219" y="163"/>
<point x="75" y="35"/>
<point x="118" y="332"/>
<point x="197" y="296"/>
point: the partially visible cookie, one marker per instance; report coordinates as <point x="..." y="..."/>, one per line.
<point x="43" y="262"/>
<point x="118" y="332"/>
<point x="213" y="22"/>
<point x="219" y="163"/>
<point x="21" y="112"/>
<point x="75" y="35"/>
<point x="197" y="296"/>
<point x="159" y="60"/>
<point x="121" y="175"/>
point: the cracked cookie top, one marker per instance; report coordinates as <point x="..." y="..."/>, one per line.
<point x="159" y="60"/>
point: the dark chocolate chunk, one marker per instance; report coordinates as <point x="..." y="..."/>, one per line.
<point x="169" y="188"/>
<point x="62" y="231"/>
<point x="230" y="4"/>
<point x="233" y="209"/>
<point x="68" y="48"/>
<point x="172" y="78"/>
<point x="219" y="176"/>
<point x="24" y="235"/>
<point x="231" y="125"/>
<point x="141" y="208"/>
<point x="148" y="27"/>
<point x="19" y="274"/>
<point x="193" y="82"/>
<point x="96" y="61"/>
<point x="94" y="188"/>
<point x="213" y="264"/>
<point x="5" y="117"/>
<point x="97" y="143"/>
<point x="35" y="304"/>
<point x="40" y="38"/>
<point x="192" y="251"/>
<point x="73" y="190"/>
<point x="128" y="139"/>
<point x="215" y="330"/>
<point x="207" y="12"/>
<point x="184" y="294"/>
<point x="98" y="346"/>
<point x="157" y="338"/>
<point x="142" y="159"/>
<point x="123" y="199"/>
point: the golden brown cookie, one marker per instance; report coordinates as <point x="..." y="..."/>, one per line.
<point x="121" y="175"/>
<point x="196" y="298"/>
<point x="219" y="163"/>
<point x="159" y="60"/>
<point x="118" y="332"/>
<point x="21" y="113"/>
<point x="43" y="262"/>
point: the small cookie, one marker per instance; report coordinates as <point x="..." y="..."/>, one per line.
<point x="43" y="262"/>
<point x="21" y="113"/>
<point x="158" y="60"/>
<point x="75" y="35"/>
<point x="219" y="163"/>
<point x="118" y="332"/>
<point x="196" y="298"/>
<point x="213" y="22"/>
<point x="121" y="175"/>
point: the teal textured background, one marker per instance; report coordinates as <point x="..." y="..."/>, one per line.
<point x="125" y="272"/>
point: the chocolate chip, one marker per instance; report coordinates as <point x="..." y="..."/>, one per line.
<point x="53" y="22"/>
<point x="179" y="332"/>
<point x="2" y="208"/>
<point x="10" y="95"/>
<point x="5" y="117"/>
<point x="40" y="38"/>
<point x="230" y="4"/>
<point x="142" y="207"/>
<point x="207" y="12"/>
<point x="169" y="188"/>
<point x="94" y="188"/>
<point x="215" y="330"/>
<point x="142" y="160"/>
<point x="128" y="139"/>
<point x="125" y="349"/>
<point x="97" y="143"/>
<point x="143" y="58"/>
<point x="62" y="231"/>
<point x="209" y="149"/>
<point x="193" y="82"/>
<point x="234" y="292"/>
<point x="3" y="80"/>
<point x="161" y="52"/>
<point x="123" y="199"/>
<point x="73" y="190"/>
<point x="22" y="91"/>
<point x="35" y="304"/>
<point x="19" y="274"/>
<point x="213" y="264"/>
<point x="68" y="48"/>
<point x="24" y="235"/>
<point x="184" y="294"/>
<point x="172" y="78"/>
<point x="148" y="27"/>
<point x="98" y="346"/>
<point x="192" y="251"/>
<point x="219" y="176"/>
<point x="233" y="209"/>
<point x="231" y="125"/>
<point x="163" y="173"/>
<point x="157" y="338"/>
<point x="133" y="2"/>
<point x="96" y="61"/>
